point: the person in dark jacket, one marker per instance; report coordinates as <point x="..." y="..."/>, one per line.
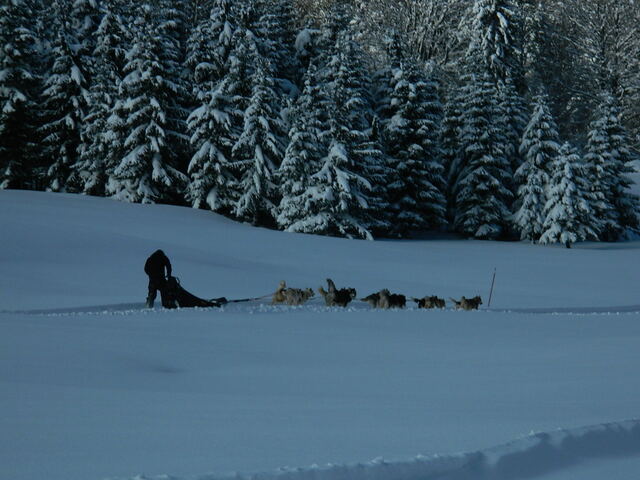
<point x="158" y="268"/>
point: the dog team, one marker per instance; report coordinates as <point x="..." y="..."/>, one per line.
<point x="334" y="297"/>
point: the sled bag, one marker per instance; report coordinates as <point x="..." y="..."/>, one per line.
<point x="175" y="296"/>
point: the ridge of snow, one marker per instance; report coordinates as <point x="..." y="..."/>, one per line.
<point x="527" y="457"/>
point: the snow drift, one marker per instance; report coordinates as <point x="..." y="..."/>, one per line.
<point x="528" y="457"/>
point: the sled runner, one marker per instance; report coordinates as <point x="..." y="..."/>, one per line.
<point x="173" y="296"/>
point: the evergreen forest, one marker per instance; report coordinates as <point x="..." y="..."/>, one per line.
<point x="494" y="119"/>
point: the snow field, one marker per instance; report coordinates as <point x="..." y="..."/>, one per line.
<point x="92" y="387"/>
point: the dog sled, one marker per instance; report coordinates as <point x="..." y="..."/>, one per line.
<point x="174" y="296"/>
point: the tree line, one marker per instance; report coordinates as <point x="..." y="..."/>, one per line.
<point x="357" y="119"/>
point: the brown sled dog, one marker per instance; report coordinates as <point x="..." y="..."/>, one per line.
<point x="291" y="296"/>
<point x="334" y="297"/>
<point x="430" y="302"/>
<point x="467" y="303"/>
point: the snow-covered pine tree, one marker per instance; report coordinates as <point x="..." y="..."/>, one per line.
<point x="211" y="124"/>
<point x="513" y="117"/>
<point x="449" y="138"/>
<point x="258" y="152"/>
<point x="341" y="199"/>
<point x="539" y="148"/>
<point x="381" y="175"/>
<point x="275" y="32"/>
<point x="208" y="49"/>
<point x="171" y="18"/>
<point x="64" y="104"/>
<point x="384" y="79"/>
<point x="338" y="194"/>
<point x="210" y="171"/>
<point x="85" y="18"/>
<point x="114" y="137"/>
<point x="384" y="82"/>
<point x="336" y="21"/>
<point x="239" y="66"/>
<point x="147" y="171"/>
<point x="568" y="215"/>
<point x="172" y="35"/>
<point x="195" y="11"/>
<point x="607" y="158"/>
<point x="604" y="49"/>
<point x="227" y="101"/>
<point x="492" y="35"/>
<point x="302" y="155"/>
<point x="18" y="95"/>
<point x="495" y="35"/>
<point x="413" y="143"/>
<point x="307" y="46"/>
<point x="482" y="194"/>
<point x="96" y="147"/>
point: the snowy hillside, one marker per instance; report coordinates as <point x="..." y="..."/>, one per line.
<point x="70" y="251"/>
<point x="92" y="386"/>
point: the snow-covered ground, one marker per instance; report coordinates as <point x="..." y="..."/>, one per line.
<point x="92" y="386"/>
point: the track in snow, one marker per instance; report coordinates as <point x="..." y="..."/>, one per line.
<point x="315" y="305"/>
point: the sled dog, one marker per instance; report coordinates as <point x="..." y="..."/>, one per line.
<point x="391" y="300"/>
<point x="297" y="296"/>
<point x="385" y="299"/>
<point x="336" y="297"/>
<point x="372" y="299"/>
<point x="290" y="296"/>
<point x="278" y="295"/>
<point x="430" y="302"/>
<point x="467" y="303"/>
